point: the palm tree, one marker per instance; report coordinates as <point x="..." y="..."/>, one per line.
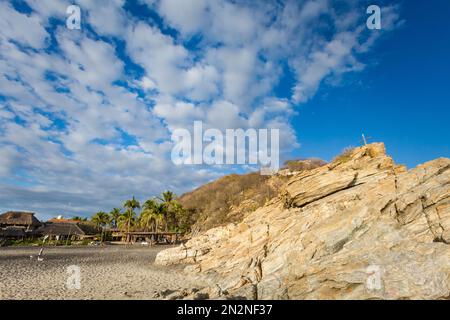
<point x="122" y="222"/>
<point x="101" y="219"/>
<point x="168" y="201"/>
<point x="115" y="215"/>
<point x="130" y="206"/>
<point x="151" y="214"/>
<point x="181" y="217"/>
<point x="167" y="197"/>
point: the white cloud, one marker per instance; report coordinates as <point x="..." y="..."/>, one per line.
<point x="201" y="82"/>
<point x="81" y="131"/>
<point x="336" y="55"/>
<point x="106" y="16"/>
<point x="93" y="63"/>
<point x="8" y="160"/>
<point x="158" y="54"/>
<point x="238" y="69"/>
<point x="25" y="29"/>
<point x="177" y="114"/>
<point x="49" y="8"/>
<point x="225" y="115"/>
<point x="187" y="16"/>
<point x="147" y="84"/>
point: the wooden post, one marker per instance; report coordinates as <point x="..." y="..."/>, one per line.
<point x="70" y="232"/>
<point x="128" y="230"/>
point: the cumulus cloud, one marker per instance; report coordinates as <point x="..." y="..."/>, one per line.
<point x="86" y="115"/>
<point x="187" y="16"/>
<point x="25" y="29"/>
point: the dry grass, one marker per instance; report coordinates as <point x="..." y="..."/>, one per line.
<point x="302" y="165"/>
<point x="230" y="198"/>
<point x="219" y="202"/>
<point x="345" y="155"/>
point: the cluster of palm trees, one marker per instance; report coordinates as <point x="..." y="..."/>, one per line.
<point x="162" y="213"/>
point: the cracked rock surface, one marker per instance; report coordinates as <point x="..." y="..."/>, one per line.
<point x="358" y="228"/>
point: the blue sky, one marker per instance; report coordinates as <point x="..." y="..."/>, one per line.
<point x="401" y="98"/>
<point x="86" y="115"/>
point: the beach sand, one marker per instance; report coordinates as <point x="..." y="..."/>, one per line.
<point x="107" y="272"/>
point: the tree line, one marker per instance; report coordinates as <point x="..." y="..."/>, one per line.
<point x="163" y="213"/>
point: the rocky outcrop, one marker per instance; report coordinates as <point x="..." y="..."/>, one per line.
<point x="194" y="249"/>
<point x="360" y="227"/>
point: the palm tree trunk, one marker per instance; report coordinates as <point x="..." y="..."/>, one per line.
<point x="128" y="228"/>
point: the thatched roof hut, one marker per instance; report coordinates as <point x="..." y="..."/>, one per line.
<point x="61" y="229"/>
<point x="66" y="229"/>
<point x="19" y="219"/>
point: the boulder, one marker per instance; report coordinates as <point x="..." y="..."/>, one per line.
<point x="193" y="250"/>
<point x="360" y="227"/>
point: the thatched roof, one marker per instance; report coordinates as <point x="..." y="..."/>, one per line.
<point x="89" y="228"/>
<point x="62" y="220"/>
<point x="61" y="229"/>
<point x="66" y="229"/>
<point x="17" y="218"/>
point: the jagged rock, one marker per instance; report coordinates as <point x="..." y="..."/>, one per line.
<point x="359" y="228"/>
<point x="193" y="250"/>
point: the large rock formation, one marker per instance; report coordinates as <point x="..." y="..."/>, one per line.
<point x="360" y="227"/>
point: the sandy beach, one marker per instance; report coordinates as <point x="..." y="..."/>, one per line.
<point x="107" y="272"/>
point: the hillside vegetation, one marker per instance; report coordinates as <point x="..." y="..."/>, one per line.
<point x="229" y="198"/>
